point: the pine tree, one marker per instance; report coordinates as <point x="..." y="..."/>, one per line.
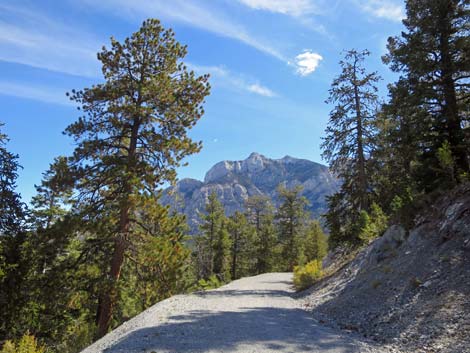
<point x="315" y="243"/>
<point x="242" y="236"/>
<point x="350" y="131"/>
<point x="11" y="208"/>
<point x="292" y="218"/>
<point x="398" y="156"/>
<point x="13" y="267"/>
<point x="132" y="136"/>
<point x="53" y="194"/>
<point x="349" y="142"/>
<point x="260" y="214"/>
<point x="221" y="251"/>
<point x="340" y="219"/>
<point x="433" y="57"/>
<point x="158" y="260"/>
<point x="45" y="261"/>
<point x="257" y="207"/>
<point x="212" y="230"/>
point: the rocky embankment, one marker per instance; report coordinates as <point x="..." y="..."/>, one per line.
<point x="411" y="288"/>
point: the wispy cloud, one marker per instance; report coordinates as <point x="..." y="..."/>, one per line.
<point x="189" y="12"/>
<point x="30" y="37"/>
<point x="307" y="62"/>
<point x="292" y="7"/>
<point x="386" y="9"/>
<point x="27" y="37"/>
<point x="38" y="93"/>
<point x="261" y="90"/>
<point x="301" y="10"/>
<point x="224" y="77"/>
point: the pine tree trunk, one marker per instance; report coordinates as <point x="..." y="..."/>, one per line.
<point x="110" y="294"/>
<point x="234" y="257"/>
<point x="450" y="110"/>
<point x="259" y="262"/>
<point x="211" y="248"/>
<point x="109" y="297"/>
<point x="360" y="151"/>
<point x="291" y="244"/>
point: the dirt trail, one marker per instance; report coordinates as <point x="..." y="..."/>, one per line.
<point x="255" y="314"/>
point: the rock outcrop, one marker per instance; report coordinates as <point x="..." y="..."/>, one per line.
<point x="235" y="181"/>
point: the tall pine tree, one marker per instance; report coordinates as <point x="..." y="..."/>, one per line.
<point x="12" y="238"/>
<point x="292" y="219"/>
<point x="212" y="244"/>
<point x="349" y="141"/>
<point x="131" y="137"/>
<point x="242" y="238"/>
<point x="432" y="55"/>
<point x="350" y="131"/>
<point x="260" y="215"/>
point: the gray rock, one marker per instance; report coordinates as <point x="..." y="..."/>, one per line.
<point x="386" y="245"/>
<point x="235" y="181"/>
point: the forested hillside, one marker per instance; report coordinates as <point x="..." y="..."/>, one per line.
<point x="393" y="156"/>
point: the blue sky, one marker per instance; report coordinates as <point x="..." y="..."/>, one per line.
<point x="271" y="64"/>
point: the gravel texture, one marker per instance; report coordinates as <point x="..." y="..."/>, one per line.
<point x="410" y="289"/>
<point x="255" y="314"/>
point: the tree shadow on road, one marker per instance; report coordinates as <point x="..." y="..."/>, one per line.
<point x="240" y="293"/>
<point x="251" y="329"/>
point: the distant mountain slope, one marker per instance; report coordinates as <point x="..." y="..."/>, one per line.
<point x="235" y="181"/>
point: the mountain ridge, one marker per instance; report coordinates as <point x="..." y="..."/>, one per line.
<point x="235" y="181"/>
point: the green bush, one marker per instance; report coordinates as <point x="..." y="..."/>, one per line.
<point x="211" y="283"/>
<point x="373" y="224"/>
<point x="446" y="162"/>
<point x="27" y="344"/>
<point x="305" y="276"/>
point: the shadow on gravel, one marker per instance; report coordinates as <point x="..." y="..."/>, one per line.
<point x="289" y="283"/>
<point x="261" y="329"/>
<point x="240" y="293"/>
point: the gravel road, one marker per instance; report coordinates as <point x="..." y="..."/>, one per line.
<point x="250" y="315"/>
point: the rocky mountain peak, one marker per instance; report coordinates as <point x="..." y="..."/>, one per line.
<point x="288" y="159"/>
<point x="235" y="181"/>
<point x="219" y="171"/>
<point x="255" y="162"/>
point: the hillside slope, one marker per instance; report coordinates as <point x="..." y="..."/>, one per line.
<point x="411" y="289"/>
<point x="235" y="181"/>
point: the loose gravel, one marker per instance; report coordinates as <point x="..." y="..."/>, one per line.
<point x="251" y="315"/>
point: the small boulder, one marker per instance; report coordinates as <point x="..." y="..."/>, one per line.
<point x="385" y="246"/>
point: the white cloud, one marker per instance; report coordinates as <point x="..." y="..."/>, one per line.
<point x="30" y="38"/>
<point x="301" y="10"/>
<point x="382" y="9"/>
<point x="287" y="7"/>
<point x="307" y="62"/>
<point x="261" y="90"/>
<point x="183" y="11"/>
<point x="30" y="91"/>
<point x="223" y="77"/>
